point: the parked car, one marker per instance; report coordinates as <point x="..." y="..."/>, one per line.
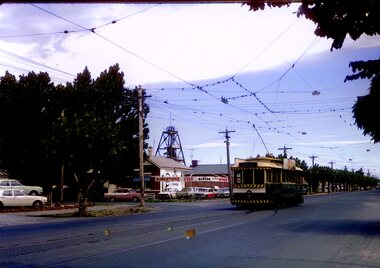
<point x="206" y="193"/>
<point x="15" y="184"/>
<point x="223" y="192"/>
<point x="187" y="192"/>
<point x="17" y="198"/>
<point x="304" y="189"/>
<point x="168" y="193"/>
<point x="123" y="194"/>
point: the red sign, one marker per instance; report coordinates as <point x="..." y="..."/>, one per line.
<point x="167" y="178"/>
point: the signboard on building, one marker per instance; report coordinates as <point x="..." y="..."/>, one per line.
<point x="166" y="178"/>
<point x="207" y="178"/>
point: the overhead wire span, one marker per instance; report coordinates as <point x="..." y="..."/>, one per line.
<point x="194" y="86"/>
<point x="29" y="61"/>
<point x="75" y="31"/>
<point x="263" y="50"/>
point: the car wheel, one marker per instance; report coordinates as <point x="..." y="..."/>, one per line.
<point x="37" y="204"/>
<point x="135" y="199"/>
<point x="112" y="199"/>
<point x="33" y="193"/>
<point x="1" y="205"/>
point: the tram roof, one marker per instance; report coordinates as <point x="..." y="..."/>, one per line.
<point x="267" y="162"/>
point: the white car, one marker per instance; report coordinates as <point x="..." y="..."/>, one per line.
<point x="15" y="184"/>
<point x="168" y="193"/>
<point x="17" y="198"/>
<point x="187" y="192"/>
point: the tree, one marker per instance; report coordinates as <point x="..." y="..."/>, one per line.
<point x="336" y="19"/>
<point x="24" y="124"/>
<point x="101" y="126"/>
<point x="89" y="126"/>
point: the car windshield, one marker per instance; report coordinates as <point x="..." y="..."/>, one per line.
<point x="19" y="193"/>
<point x="15" y="183"/>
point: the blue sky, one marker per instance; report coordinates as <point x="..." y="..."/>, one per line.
<point x="267" y="64"/>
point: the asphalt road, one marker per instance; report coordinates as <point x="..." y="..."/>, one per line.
<point x="336" y="230"/>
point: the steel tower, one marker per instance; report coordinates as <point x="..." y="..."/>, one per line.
<point x="170" y="145"/>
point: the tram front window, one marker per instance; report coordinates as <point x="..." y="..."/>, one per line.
<point x="248" y="176"/>
<point x="237" y="176"/>
<point x="259" y="176"/>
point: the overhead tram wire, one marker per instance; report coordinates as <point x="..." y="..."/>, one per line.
<point x="200" y="88"/>
<point x="29" y="61"/>
<point x="254" y="94"/>
<point x="263" y="50"/>
<point x="92" y="30"/>
<point x="76" y="31"/>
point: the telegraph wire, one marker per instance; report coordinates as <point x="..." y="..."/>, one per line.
<point x="200" y="88"/>
<point x="75" y="31"/>
<point x="127" y="16"/>
<point x="263" y="50"/>
<point x="92" y="30"/>
<point x="34" y="62"/>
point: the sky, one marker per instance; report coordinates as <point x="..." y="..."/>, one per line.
<point x="281" y="85"/>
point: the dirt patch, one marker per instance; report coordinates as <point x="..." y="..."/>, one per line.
<point x="45" y="208"/>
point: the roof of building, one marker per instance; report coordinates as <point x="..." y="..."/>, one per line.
<point x="163" y="162"/>
<point x="210" y="169"/>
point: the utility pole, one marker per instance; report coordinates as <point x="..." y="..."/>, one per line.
<point x="141" y="145"/>
<point x="312" y="159"/>
<point x="284" y="149"/>
<point x="226" y="132"/>
<point x="332" y="164"/>
<point x="62" y="181"/>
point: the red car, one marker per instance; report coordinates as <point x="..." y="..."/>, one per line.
<point x="123" y="194"/>
<point x="206" y="193"/>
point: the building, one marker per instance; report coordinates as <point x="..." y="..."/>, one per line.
<point x="211" y="175"/>
<point x="163" y="173"/>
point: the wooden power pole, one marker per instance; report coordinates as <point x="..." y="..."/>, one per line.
<point x="141" y="145"/>
<point x="226" y="132"/>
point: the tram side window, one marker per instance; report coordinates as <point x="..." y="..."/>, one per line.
<point x="269" y="176"/>
<point x="276" y="176"/>
<point x="259" y="176"/>
<point x="248" y="176"/>
<point x="237" y="176"/>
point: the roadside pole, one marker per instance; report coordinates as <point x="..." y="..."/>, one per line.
<point x="141" y="146"/>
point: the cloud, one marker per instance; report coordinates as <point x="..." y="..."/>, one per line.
<point x="331" y="143"/>
<point x="211" y="145"/>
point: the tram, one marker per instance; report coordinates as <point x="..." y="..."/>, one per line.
<point x="265" y="181"/>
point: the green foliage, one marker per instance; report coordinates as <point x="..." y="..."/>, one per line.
<point x="89" y="126"/>
<point x="333" y="178"/>
<point x="24" y="124"/>
<point x="366" y="109"/>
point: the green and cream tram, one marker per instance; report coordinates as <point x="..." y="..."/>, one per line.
<point x="264" y="181"/>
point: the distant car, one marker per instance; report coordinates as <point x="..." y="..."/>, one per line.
<point x="17" y="198"/>
<point x="223" y="192"/>
<point x="206" y="193"/>
<point x="123" y="194"/>
<point x="15" y="184"/>
<point x="168" y="193"/>
<point x="304" y="189"/>
<point x="187" y="192"/>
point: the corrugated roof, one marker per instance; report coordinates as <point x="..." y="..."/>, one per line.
<point x="163" y="162"/>
<point x="210" y="169"/>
